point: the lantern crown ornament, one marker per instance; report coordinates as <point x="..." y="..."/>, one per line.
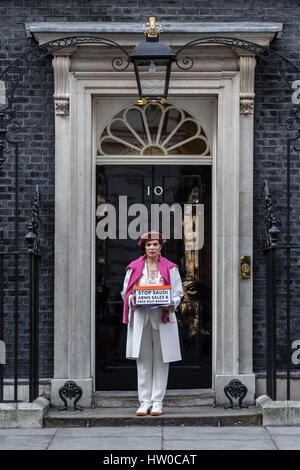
<point x="152" y="65"/>
<point x="152" y="29"/>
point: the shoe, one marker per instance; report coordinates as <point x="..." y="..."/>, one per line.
<point x="156" y="409"/>
<point x="143" y="410"/>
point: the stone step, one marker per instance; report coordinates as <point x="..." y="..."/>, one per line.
<point x="177" y="398"/>
<point x="173" y="416"/>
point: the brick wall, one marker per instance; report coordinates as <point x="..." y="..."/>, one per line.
<point x="36" y="133"/>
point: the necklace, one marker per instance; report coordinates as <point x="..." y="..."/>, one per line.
<point x="152" y="273"/>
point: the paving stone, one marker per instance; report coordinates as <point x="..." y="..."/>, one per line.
<point x="284" y="430"/>
<point x="285" y="437"/>
<point x="131" y="431"/>
<point x="152" y="438"/>
<point x="25" y="442"/>
<point x="218" y="444"/>
<point x="28" y="432"/>
<point x="205" y="432"/>
<point x="287" y="442"/>
<point x="106" y="443"/>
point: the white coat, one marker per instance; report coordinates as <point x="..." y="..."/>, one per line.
<point x="169" y="337"/>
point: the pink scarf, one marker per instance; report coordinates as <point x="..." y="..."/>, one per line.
<point x="137" y="267"/>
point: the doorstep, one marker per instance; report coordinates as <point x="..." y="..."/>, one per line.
<point x="177" y="398"/>
<point x="173" y="416"/>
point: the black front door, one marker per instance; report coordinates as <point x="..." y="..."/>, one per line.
<point x="150" y="185"/>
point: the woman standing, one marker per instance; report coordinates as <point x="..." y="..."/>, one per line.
<point x="152" y="333"/>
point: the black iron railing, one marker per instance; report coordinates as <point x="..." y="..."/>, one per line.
<point x="26" y="292"/>
<point x="274" y="255"/>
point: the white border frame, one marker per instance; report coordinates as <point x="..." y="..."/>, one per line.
<point x="75" y="177"/>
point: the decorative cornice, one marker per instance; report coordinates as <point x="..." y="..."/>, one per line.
<point x="247" y="69"/>
<point x="171" y="27"/>
<point x="175" y="34"/>
<point x="61" y="66"/>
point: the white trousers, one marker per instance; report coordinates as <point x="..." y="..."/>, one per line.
<point x="152" y="372"/>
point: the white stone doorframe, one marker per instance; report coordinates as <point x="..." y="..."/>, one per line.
<point x="75" y="227"/>
<point x="84" y="72"/>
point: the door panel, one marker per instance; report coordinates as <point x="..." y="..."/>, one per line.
<point x="148" y="185"/>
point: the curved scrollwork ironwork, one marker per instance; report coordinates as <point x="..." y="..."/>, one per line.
<point x="235" y="389"/>
<point x="13" y="74"/>
<point x="268" y="55"/>
<point x="187" y="63"/>
<point x="69" y="391"/>
<point x="118" y="64"/>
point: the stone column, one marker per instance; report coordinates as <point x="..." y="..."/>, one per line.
<point x="247" y="70"/>
<point x="65" y="322"/>
<point x="243" y="369"/>
<point x="227" y="225"/>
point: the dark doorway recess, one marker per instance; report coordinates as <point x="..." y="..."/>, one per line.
<point x="150" y="184"/>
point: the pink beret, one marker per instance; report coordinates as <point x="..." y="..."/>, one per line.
<point x="151" y="236"/>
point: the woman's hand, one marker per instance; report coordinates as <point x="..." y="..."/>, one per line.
<point x="132" y="303"/>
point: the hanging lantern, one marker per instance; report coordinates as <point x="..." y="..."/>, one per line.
<point x="152" y="65"/>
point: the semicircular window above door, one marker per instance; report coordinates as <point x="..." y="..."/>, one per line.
<point x="153" y="129"/>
